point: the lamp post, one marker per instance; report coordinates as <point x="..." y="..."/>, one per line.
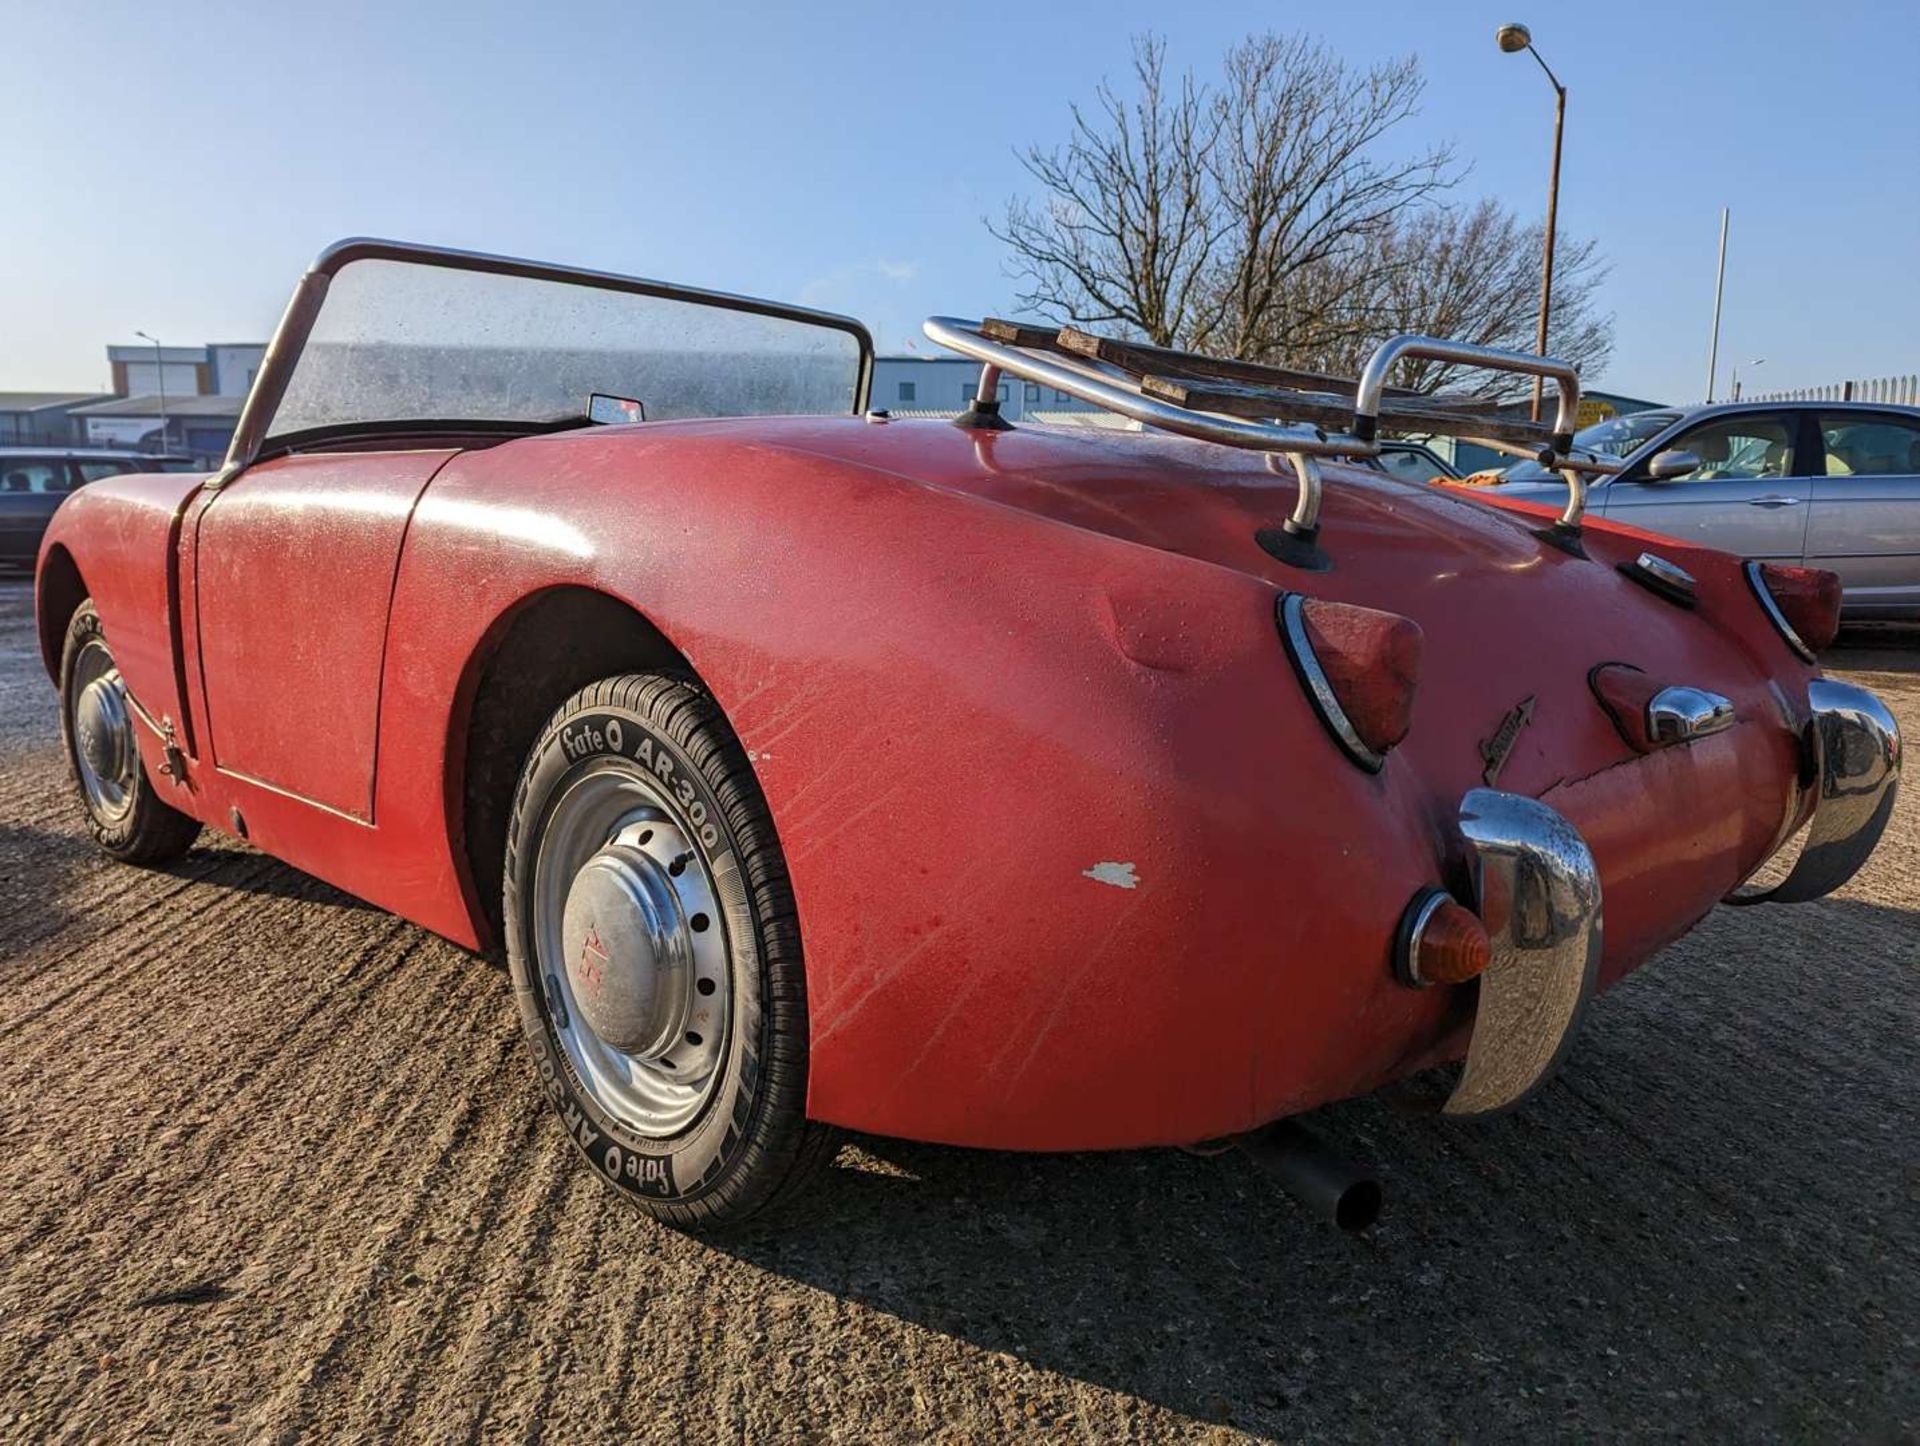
<point x="1756" y="362"/>
<point x="160" y="380"/>
<point x="1514" y="38"/>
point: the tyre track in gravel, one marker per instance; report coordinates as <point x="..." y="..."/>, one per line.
<point x="344" y="1166"/>
<point x="213" y="1140"/>
<point x="236" y="1078"/>
<point x="155" y="899"/>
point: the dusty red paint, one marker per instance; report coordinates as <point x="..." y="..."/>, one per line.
<point x="971" y="669"/>
<point x="1625" y="691"/>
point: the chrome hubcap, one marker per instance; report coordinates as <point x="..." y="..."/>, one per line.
<point x="104" y="746"/>
<point x="632" y="945"/>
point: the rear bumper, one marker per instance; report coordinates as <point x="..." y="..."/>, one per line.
<point x="1537" y="889"/>
<point x="1538" y="892"/>
<point x="1853" y="745"/>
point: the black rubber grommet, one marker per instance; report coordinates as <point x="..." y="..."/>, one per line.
<point x="1565" y="539"/>
<point x="1295" y="549"/>
<point x="983" y="417"/>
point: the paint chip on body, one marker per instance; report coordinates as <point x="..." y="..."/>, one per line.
<point x="1121" y="876"/>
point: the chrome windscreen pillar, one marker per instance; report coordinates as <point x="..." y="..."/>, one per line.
<point x="1856" y="751"/>
<point x="1538" y="893"/>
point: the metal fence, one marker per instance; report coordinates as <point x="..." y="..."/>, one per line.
<point x="1897" y="391"/>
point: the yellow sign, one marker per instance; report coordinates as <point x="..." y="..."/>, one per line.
<point x="1593" y="410"/>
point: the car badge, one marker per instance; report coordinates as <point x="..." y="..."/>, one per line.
<point x="1494" y="750"/>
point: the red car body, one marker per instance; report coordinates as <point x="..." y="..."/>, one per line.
<point x="1077" y="865"/>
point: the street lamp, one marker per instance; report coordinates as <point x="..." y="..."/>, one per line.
<point x="1513" y="39"/>
<point x="1757" y="362"/>
<point x="160" y="379"/>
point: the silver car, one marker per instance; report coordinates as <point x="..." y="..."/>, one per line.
<point x="1831" y="484"/>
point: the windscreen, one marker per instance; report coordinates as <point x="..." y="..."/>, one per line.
<point x="405" y="341"/>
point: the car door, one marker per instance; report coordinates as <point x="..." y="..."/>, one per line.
<point x="30" y="489"/>
<point x="1864" y="522"/>
<point x="1748" y="496"/>
<point x="293" y="568"/>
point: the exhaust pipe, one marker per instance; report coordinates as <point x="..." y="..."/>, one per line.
<point x="1337" y="1190"/>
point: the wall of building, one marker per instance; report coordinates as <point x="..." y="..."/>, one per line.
<point x="143" y="378"/>
<point x="234" y="365"/>
<point x="947" y="384"/>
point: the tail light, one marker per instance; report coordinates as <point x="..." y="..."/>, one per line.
<point x="1804" y="603"/>
<point x="1360" y="666"/>
<point x="1440" y="941"/>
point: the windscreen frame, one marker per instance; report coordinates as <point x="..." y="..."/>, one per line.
<point x="303" y="311"/>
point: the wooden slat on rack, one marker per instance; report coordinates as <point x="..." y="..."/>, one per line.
<point x="1398" y="413"/>
<point x="1144" y="360"/>
<point x="1013" y="333"/>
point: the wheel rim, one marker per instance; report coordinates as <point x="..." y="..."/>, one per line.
<point x="104" y="750"/>
<point x="631" y="942"/>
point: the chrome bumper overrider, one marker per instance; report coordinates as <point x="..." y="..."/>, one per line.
<point x="1855" y="748"/>
<point x="1538" y="893"/>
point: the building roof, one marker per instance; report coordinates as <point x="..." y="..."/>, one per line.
<point x="37" y="401"/>
<point x="83" y="454"/>
<point x="149" y="406"/>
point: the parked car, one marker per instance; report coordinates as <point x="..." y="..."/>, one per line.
<point x="1026" y="788"/>
<point x="1411" y="462"/>
<point x="34" y="480"/>
<point x="1834" y="485"/>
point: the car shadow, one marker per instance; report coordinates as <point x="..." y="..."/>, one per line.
<point x="39" y="869"/>
<point x="1714" y="1174"/>
<point x="1875" y="648"/>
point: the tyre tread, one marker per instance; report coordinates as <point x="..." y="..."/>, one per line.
<point x="784" y="1152"/>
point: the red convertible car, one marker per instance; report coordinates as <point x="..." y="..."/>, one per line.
<point x="1033" y="788"/>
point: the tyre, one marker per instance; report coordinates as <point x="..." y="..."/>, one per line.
<point x="125" y="813"/>
<point x="655" y="955"/>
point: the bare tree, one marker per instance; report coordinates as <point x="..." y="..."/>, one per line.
<point x="1262" y="218"/>
<point x="1472" y="274"/>
<point x="1296" y="169"/>
<point x="1129" y="220"/>
<point x="1193" y="215"/>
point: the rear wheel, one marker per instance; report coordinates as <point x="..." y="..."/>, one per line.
<point x="655" y="954"/>
<point x="125" y="813"/>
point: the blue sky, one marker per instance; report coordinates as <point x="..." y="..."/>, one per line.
<point x="172" y="167"/>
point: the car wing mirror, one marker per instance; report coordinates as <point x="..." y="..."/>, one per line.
<point x="609" y="411"/>
<point x="1672" y="463"/>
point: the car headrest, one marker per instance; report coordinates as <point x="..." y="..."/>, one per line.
<point x="1712" y="447"/>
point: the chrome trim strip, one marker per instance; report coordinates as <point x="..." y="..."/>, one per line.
<point x="1538" y="892"/>
<point x="1406" y="960"/>
<point x="1293" y="630"/>
<point x="1678" y="714"/>
<point x="1772" y="609"/>
<point x="296" y="323"/>
<point x="1856" y="746"/>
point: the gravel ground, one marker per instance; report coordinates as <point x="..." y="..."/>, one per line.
<point x="271" y="1165"/>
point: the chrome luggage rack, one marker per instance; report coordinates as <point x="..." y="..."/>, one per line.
<point x="1302" y="416"/>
